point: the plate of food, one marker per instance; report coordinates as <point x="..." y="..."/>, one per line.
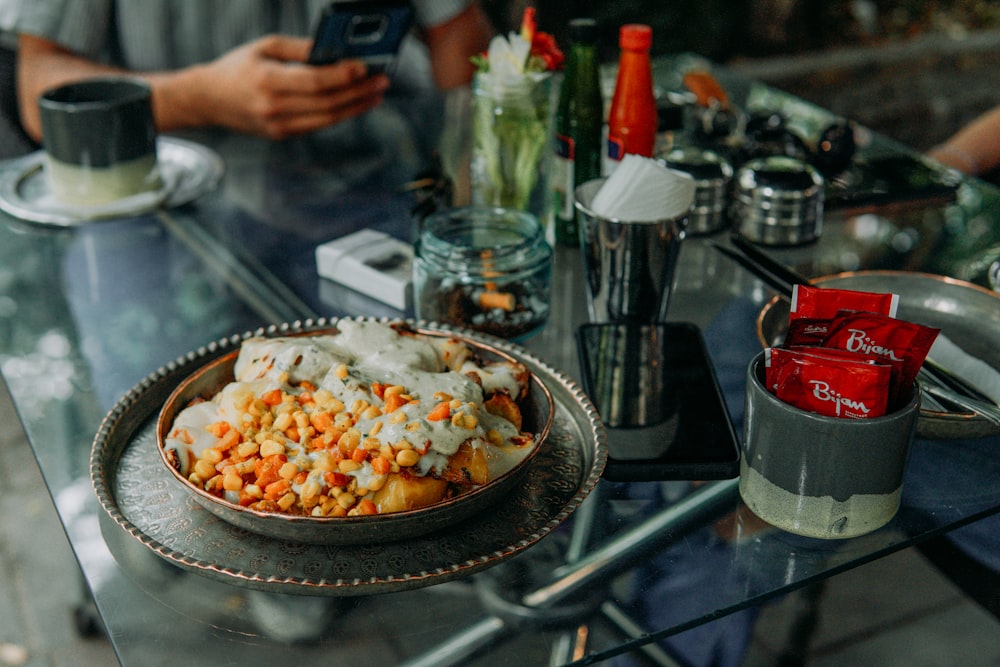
<point x="361" y="432"/>
<point x="418" y="453"/>
<point x="967" y="314"/>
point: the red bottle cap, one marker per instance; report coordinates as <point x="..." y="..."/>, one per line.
<point x="635" y="37"/>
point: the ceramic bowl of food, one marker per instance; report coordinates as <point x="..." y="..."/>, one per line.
<point x="367" y="431"/>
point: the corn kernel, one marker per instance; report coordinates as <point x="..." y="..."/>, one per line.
<point x="271" y="448"/>
<point x="324" y="462"/>
<point x="346" y="500"/>
<point x="347" y="465"/>
<point x="247" y="449"/>
<point x="310" y="490"/>
<point x="253" y="491"/>
<point x="212" y="455"/>
<point x="397" y="417"/>
<point x="288" y="470"/>
<point x="232" y="482"/>
<point x="350" y="439"/>
<point x="283" y="421"/>
<point x="407" y="458"/>
<point x="204" y="469"/>
<point x="286" y="501"/>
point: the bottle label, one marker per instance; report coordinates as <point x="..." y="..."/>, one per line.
<point x="616" y="149"/>
<point x="563" y="176"/>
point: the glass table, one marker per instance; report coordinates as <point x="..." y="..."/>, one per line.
<point x="666" y="569"/>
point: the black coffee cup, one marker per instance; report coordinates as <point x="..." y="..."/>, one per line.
<point x="100" y="140"/>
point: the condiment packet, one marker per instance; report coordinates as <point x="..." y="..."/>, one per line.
<point x="810" y="331"/>
<point x="824" y="303"/>
<point x="641" y="189"/>
<point x="828" y="382"/>
<point x="847" y="326"/>
<point x="903" y="344"/>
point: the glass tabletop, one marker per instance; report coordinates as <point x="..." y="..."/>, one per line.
<point x="88" y="312"/>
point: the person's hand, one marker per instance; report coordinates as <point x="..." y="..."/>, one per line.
<point x="266" y="88"/>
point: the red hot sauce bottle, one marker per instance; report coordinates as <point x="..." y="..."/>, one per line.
<point x="632" y="119"/>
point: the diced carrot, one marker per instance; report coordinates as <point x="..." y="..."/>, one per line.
<point x="321" y="421"/>
<point x="336" y="479"/>
<point x="378" y="389"/>
<point x="393" y="403"/>
<point x="304" y="398"/>
<point x="266" y="469"/>
<point x="272" y="397"/>
<point x="292" y="432"/>
<point x="218" y="429"/>
<point x="359" y="455"/>
<point x="230" y="439"/>
<point x="381" y="465"/>
<point x="366" y="506"/>
<point x="307" y="385"/>
<point x="301" y="477"/>
<point x="276" y="490"/>
<point x="439" y="412"/>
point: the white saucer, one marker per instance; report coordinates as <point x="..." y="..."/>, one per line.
<point x="188" y="169"/>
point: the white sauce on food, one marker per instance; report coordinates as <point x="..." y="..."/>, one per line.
<point x="371" y="352"/>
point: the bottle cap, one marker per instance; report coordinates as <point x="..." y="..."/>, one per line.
<point x="635" y="37"/>
<point x="583" y="30"/>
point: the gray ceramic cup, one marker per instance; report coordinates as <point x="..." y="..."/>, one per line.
<point x="821" y="476"/>
<point x="100" y="140"/>
<point x="629" y="266"/>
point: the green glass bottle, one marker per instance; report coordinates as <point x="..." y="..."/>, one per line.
<point x="579" y="126"/>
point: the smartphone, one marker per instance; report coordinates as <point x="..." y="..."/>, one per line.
<point x="369" y="30"/>
<point x="656" y="391"/>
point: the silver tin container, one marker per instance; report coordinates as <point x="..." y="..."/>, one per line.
<point x="778" y="201"/>
<point x="712" y="175"/>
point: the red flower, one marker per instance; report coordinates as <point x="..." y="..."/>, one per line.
<point x="544" y="46"/>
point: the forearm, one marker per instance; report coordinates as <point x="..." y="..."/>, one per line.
<point x="975" y="149"/>
<point x="43" y="65"/>
<point x="453" y="43"/>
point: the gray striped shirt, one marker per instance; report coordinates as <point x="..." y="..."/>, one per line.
<point x="146" y="35"/>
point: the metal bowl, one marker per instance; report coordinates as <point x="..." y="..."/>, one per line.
<point x="537" y="409"/>
<point x="967" y="314"/>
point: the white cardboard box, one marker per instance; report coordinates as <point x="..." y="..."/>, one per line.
<point x="372" y="263"/>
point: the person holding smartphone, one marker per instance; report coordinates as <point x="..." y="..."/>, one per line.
<point x="236" y="64"/>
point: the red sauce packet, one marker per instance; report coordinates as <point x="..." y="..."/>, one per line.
<point x="902" y="344"/>
<point x="807" y="331"/>
<point x="828" y="382"/>
<point x="824" y="303"/>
